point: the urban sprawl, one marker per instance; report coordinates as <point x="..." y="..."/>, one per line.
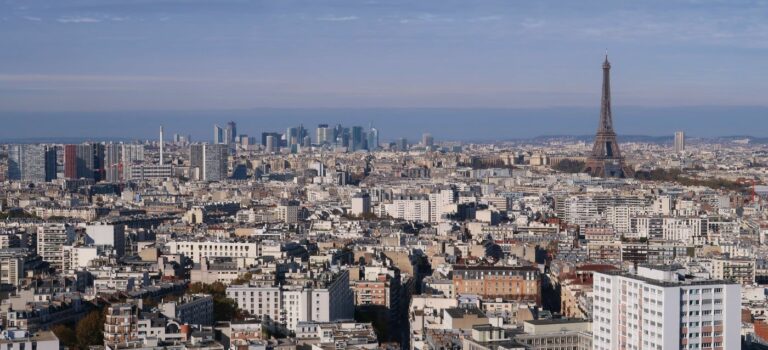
<point x="330" y="238"/>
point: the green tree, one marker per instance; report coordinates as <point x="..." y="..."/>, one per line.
<point x="242" y="279"/>
<point x="224" y="309"/>
<point x="676" y="175"/>
<point x="90" y="330"/>
<point x="570" y="166"/>
<point x="66" y="335"/>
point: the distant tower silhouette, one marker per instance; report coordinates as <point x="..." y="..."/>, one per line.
<point x="606" y="159"/>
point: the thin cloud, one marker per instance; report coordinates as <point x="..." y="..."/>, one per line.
<point x="78" y="19"/>
<point x="746" y="31"/>
<point x="485" y="19"/>
<point x="425" y="18"/>
<point x="119" y="78"/>
<point x="92" y="19"/>
<point x="530" y="23"/>
<point x="32" y="18"/>
<point x="338" y="18"/>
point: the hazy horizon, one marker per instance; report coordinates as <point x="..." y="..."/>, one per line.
<point x="460" y="124"/>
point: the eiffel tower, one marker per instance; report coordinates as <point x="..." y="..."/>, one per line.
<point x="606" y="159"/>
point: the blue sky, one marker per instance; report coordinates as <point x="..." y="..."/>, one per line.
<point x="107" y="54"/>
<point x="118" y="55"/>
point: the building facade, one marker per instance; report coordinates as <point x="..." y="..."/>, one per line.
<point x="656" y="309"/>
<point x="518" y="283"/>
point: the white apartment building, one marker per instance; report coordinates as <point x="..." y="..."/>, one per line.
<point x="663" y="205"/>
<point x="17" y="339"/>
<point x="112" y="236"/>
<point x="78" y="257"/>
<point x="50" y="240"/>
<point x="619" y="218"/>
<point x="361" y="204"/>
<point x="328" y="298"/>
<point x="578" y="210"/>
<point x="738" y="270"/>
<point x="656" y="309"/>
<point x="12" y="266"/>
<point x="412" y="208"/>
<point x="261" y="301"/>
<point x="439" y="202"/>
<point x="692" y="230"/>
<point x="196" y="250"/>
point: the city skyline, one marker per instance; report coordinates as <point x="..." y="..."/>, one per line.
<point x="488" y="124"/>
<point x="383" y="174"/>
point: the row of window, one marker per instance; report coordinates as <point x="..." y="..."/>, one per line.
<point x="703" y="334"/>
<point x="697" y="313"/>
<point x="702" y="323"/>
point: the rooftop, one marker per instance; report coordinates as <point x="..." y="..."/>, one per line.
<point x="545" y="322"/>
<point x="461" y="312"/>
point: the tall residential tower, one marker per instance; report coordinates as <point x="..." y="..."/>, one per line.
<point x="679" y="142"/>
<point x="657" y="308"/>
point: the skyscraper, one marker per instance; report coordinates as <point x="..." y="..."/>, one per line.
<point x="218" y="135"/>
<point x="196" y="159"/>
<point x="70" y="161"/>
<point x="209" y="161"/>
<point x="130" y="155"/>
<point x="84" y="161"/>
<point x="33" y="163"/>
<point x="98" y="161"/>
<point x="291" y="136"/>
<point x="230" y="133"/>
<point x="606" y="159"/>
<point x="113" y="165"/>
<point x="322" y="134"/>
<point x="427" y="140"/>
<point x="679" y="142"/>
<point x="51" y="155"/>
<point x="272" y="144"/>
<point x="294" y="136"/>
<point x="357" y="138"/>
<point x="215" y="162"/>
<point x="15" y="161"/>
<point x="402" y="144"/>
<point x="342" y="137"/>
<point x="264" y="136"/>
<point x="373" y="139"/>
